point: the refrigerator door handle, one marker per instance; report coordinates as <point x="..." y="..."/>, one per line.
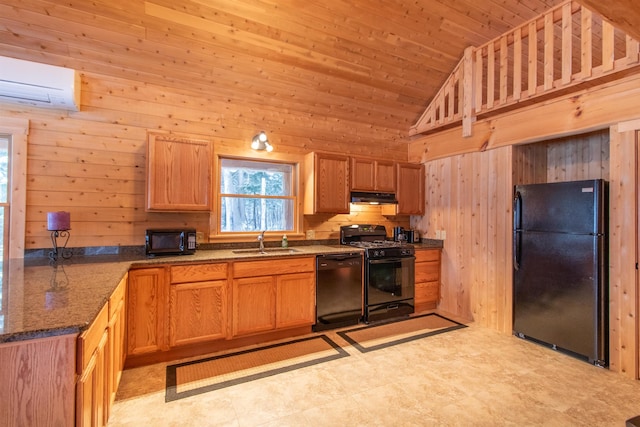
<point x="517" y="222"/>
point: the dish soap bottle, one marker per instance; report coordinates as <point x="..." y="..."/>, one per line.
<point x="285" y="242"/>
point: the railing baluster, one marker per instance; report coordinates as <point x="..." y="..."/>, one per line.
<point x="607" y="46"/>
<point x="548" y="51"/>
<point x="504" y="69"/>
<point x="533" y="60"/>
<point x="467" y="87"/>
<point x="491" y="74"/>
<point x="477" y="80"/>
<point x="586" y="40"/>
<point x="517" y="64"/>
<point x="567" y="43"/>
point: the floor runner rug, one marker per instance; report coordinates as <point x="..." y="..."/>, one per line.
<point x="213" y="373"/>
<point x="382" y="335"/>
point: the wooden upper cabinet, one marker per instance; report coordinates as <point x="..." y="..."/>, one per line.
<point x="178" y="174"/>
<point x="410" y="192"/>
<point x="373" y="175"/>
<point x="326" y="184"/>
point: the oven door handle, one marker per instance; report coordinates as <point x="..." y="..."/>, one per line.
<point x="390" y="260"/>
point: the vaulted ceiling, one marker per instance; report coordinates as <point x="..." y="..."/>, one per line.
<point x="366" y="61"/>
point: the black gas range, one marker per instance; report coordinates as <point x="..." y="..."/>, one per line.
<point x="373" y="239"/>
<point x="389" y="273"/>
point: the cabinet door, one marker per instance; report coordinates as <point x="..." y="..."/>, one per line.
<point x="254" y="308"/>
<point x="178" y="174"/>
<point x="327" y="188"/>
<point x="116" y="355"/>
<point x="197" y="312"/>
<point x="91" y="396"/>
<point x="385" y="176"/>
<point x="146" y="302"/>
<point x="295" y="300"/>
<point x="373" y="175"/>
<point x="410" y="191"/>
<point x="363" y="174"/>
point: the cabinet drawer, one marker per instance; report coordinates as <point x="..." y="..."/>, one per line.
<point x="423" y="255"/>
<point x="198" y="272"/>
<point x="271" y="267"/>
<point x="427" y="292"/>
<point x="427" y="272"/>
<point x="88" y="341"/>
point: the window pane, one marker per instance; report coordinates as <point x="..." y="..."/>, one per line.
<point x="255" y="178"/>
<point x="256" y="214"/>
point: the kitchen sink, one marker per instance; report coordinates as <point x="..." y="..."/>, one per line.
<point x="266" y="251"/>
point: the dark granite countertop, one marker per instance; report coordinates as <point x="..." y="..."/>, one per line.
<point x="40" y="299"/>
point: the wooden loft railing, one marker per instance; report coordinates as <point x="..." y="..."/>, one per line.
<point x="567" y="46"/>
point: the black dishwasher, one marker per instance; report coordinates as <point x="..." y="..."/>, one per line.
<point x="338" y="290"/>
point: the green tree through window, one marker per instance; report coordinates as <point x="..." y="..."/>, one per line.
<point x="256" y="196"/>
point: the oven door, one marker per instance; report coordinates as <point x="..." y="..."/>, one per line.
<point x="390" y="279"/>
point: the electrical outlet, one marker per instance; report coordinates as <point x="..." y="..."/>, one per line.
<point x="438" y="234"/>
<point x="199" y="236"/>
<point x="311" y="234"/>
<point x="443" y="234"/>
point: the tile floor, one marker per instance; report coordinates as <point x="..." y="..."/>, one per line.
<point x="468" y="377"/>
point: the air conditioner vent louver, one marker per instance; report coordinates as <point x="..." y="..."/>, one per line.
<point x="39" y="85"/>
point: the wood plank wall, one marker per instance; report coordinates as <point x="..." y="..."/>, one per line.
<point x="469" y="197"/>
<point x="624" y="341"/>
<point x="92" y="162"/>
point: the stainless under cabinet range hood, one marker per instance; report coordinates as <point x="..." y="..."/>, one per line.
<point x="366" y="198"/>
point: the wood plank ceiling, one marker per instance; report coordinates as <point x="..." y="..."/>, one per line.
<point x="375" y="62"/>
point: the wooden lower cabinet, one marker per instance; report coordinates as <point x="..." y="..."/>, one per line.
<point x="182" y="308"/>
<point x="295" y="300"/>
<point x="263" y="301"/>
<point x="427" y="284"/>
<point x="146" y="307"/>
<point x="197" y="312"/>
<point x="197" y="303"/>
<point x="254" y="305"/>
<point x="91" y="395"/>
<point x="100" y="361"/>
<point x="116" y="330"/>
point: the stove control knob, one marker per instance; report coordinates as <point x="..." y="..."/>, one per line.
<point x="381" y="253"/>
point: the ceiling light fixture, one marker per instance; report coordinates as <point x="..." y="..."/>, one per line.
<point x="261" y="142"/>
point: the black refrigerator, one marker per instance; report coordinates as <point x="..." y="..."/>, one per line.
<point x="560" y="265"/>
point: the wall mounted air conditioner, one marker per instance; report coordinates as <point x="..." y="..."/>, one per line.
<point x="39" y="85"/>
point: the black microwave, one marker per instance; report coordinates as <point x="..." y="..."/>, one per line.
<point x="170" y="241"/>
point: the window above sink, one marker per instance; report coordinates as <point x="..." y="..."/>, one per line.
<point x="255" y="195"/>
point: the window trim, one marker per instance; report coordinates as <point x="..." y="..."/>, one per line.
<point x="296" y="185"/>
<point x="18" y="131"/>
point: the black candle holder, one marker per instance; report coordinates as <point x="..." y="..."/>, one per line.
<point x="60" y="251"/>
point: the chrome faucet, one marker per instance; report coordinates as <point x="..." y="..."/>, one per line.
<point x="261" y="240"/>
